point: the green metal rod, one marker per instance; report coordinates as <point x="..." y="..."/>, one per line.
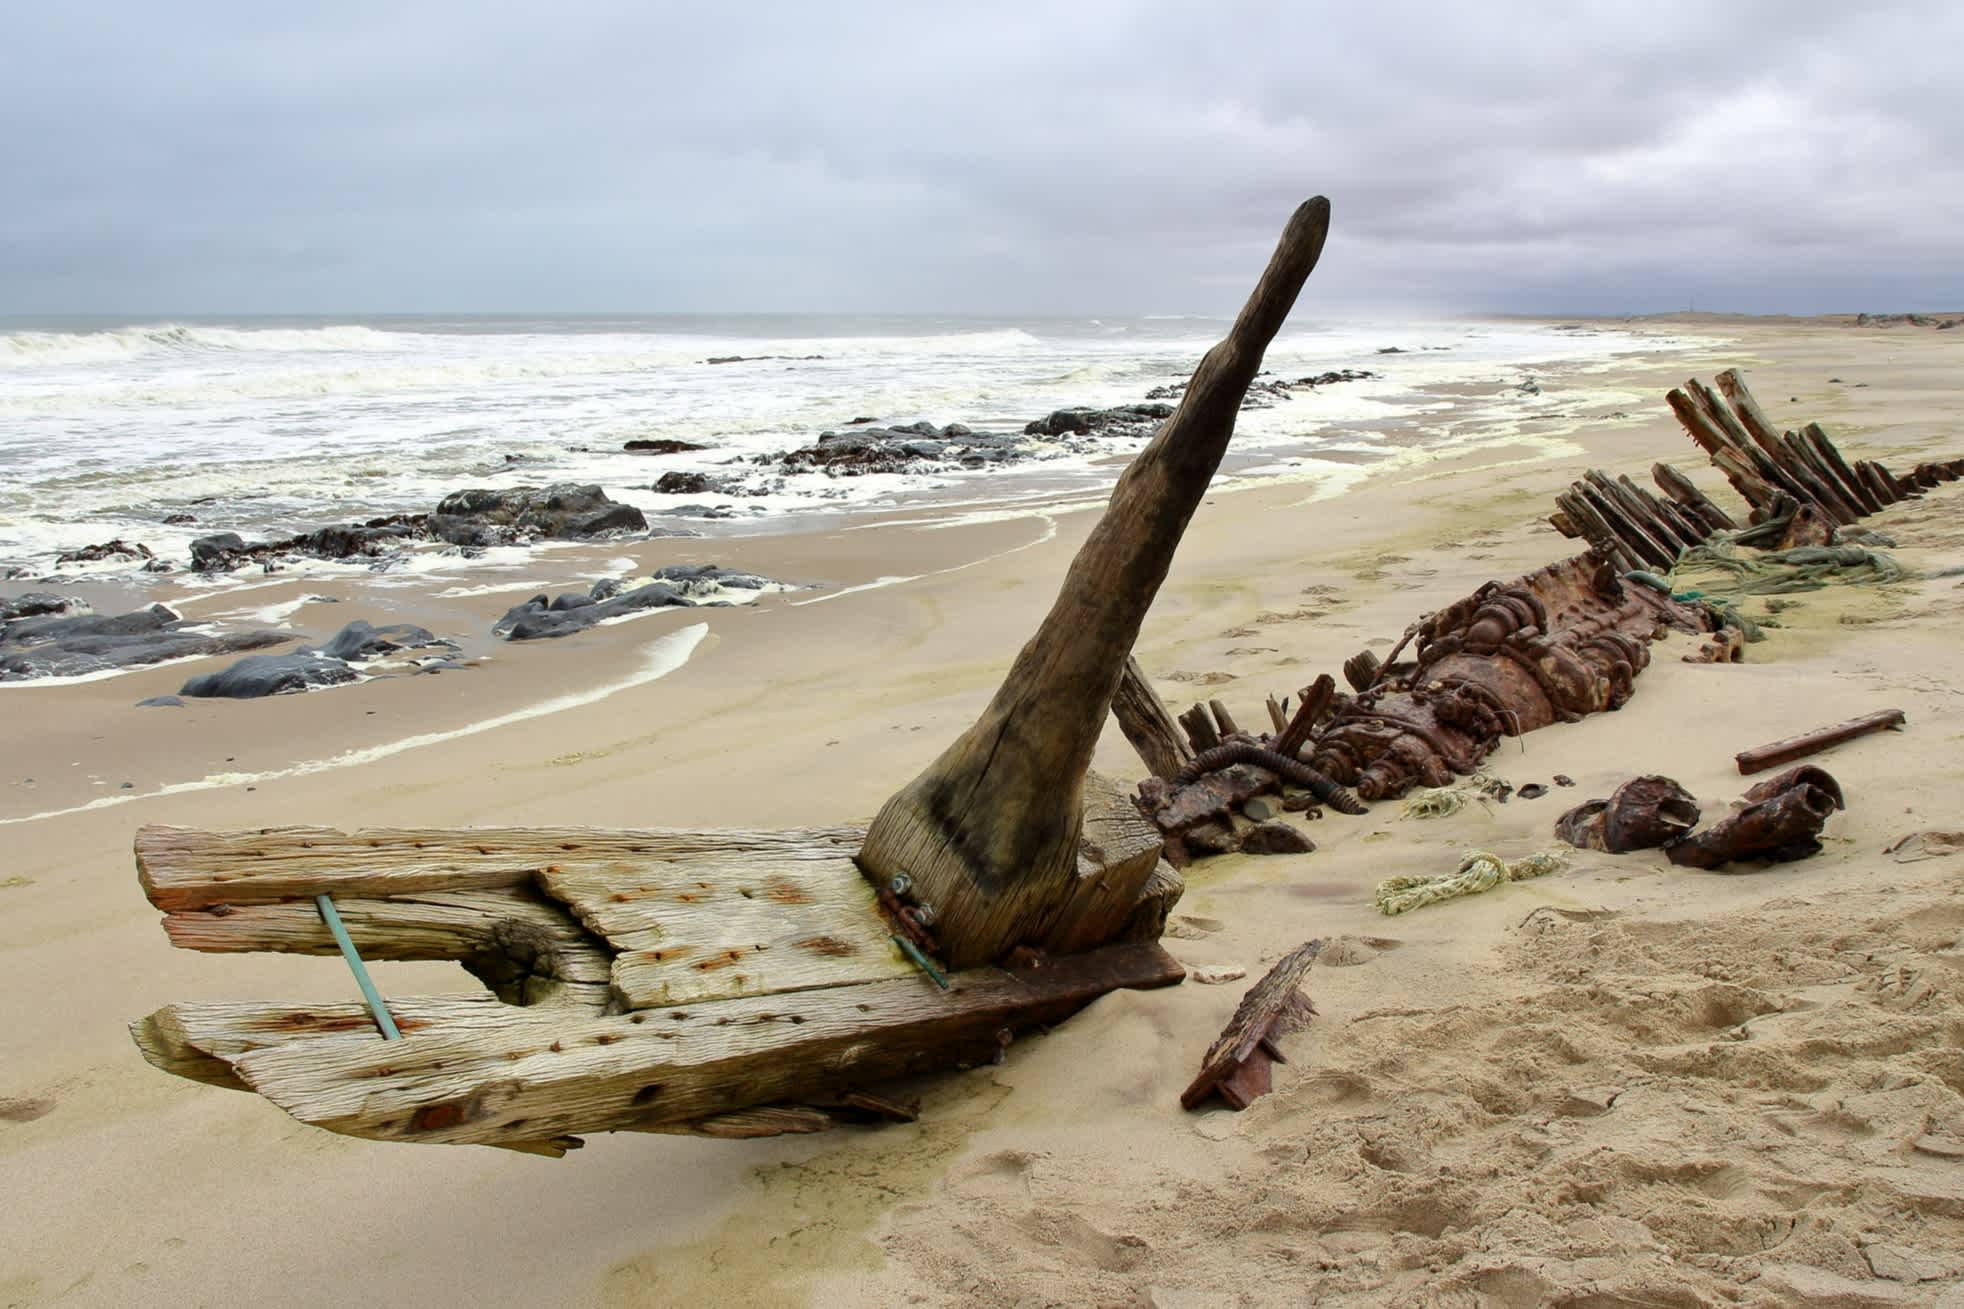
<point x="383" y="1020"/>
<point x="926" y="964"/>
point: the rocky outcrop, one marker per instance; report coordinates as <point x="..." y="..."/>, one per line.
<point x="661" y="446"/>
<point x="675" y="587"/>
<point x="1263" y="395"/>
<point x="222" y="552"/>
<point x="563" y="512"/>
<point x="64" y="639"/>
<point x="262" y="675"/>
<point x="1123" y="420"/>
<point x="913" y="448"/>
<point x="329" y="664"/>
<point x="117" y="549"/>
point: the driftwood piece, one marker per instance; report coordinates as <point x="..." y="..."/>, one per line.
<point x="1311" y="704"/>
<point x="525" y="1078"/>
<point x="1732" y="384"/>
<point x="989" y="832"/>
<point x="1278" y="717"/>
<point x="1685" y="492"/>
<point x="1201" y="732"/>
<point x="1830" y="455"/>
<point x="1236" y="1066"/>
<point x="1147" y="723"/>
<point x="182" y="868"/>
<point x="1773" y="754"/>
<point x="1223" y="720"/>
<point x="522" y="946"/>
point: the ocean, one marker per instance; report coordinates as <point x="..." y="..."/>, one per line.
<point x="270" y="427"/>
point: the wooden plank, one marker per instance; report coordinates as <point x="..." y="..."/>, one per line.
<point x="183" y="868"/>
<point x="1685" y="492"/>
<point x="1732" y="384"/>
<point x="527" y="949"/>
<point x="1654" y="553"/>
<point x="202" y="1041"/>
<point x="516" y="1077"/>
<point x="1830" y="455"/>
<point x="1270" y="1007"/>
<point x="1824" y="480"/>
<point x="1311" y="702"/>
<point x="1148" y="724"/>
<point x="740" y="922"/>
<point x="1200" y="729"/>
<point x="1223" y="720"/>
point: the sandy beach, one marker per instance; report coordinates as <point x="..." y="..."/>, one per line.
<point x="1624" y="1084"/>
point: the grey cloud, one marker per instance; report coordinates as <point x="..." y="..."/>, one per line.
<point x="1091" y="156"/>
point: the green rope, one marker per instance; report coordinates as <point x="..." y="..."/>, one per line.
<point x="1718" y="571"/>
<point x="1478" y="871"/>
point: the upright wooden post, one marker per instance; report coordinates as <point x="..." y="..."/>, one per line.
<point x="989" y="832"/>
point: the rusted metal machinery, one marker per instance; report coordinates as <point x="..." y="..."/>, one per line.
<point x="1559" y="643"/>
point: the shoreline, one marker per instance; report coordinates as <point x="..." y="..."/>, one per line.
<point x="1069" y="1170"/>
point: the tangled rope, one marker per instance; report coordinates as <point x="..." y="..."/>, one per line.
<point x="1442" y="801"/>
<point x="1340" y="798"/>
<point x="1478" y="871"/>
<point x="1717" y="569"/>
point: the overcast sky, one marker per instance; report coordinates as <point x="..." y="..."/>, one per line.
<point x="1066" y="156"/>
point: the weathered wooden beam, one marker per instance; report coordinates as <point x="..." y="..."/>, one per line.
<point x="1654" y="553"/>
<point x="1685" y="492"/>
<point x="1223" y="720"/>
<point x="181" y="868"/>
<point x="1278" y="717"/>
<point x="1236" y="1066"/>
<point x="989" y="831"/>
<point x="1829" y="455"/>
<point x="1148" y="724"/>
<point x="524" y="947"/>
<point x="1200" y="729"/>
<point x="1732" y="384"/>
<point x="1311" y="704"/>
<point x="492" y="1078"/>
<point x="1823" y="480"/>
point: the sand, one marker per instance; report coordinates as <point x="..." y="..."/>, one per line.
<point x="1623" y="1084"/>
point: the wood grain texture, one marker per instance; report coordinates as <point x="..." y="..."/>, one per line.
<point x="1116" y="854"/>
<point x="743" y="921"/>
<point x="1148" y="724"/>
<point x="527" y="949"/>
<point x="1271" y="1005"/>
<point x="184" y="868"/>
<point x="989" y="831"/>
<point x="516" y="1076"/>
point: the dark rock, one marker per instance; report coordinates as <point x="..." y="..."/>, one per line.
<point x="160" y="702"/>
<point x="1390" y="350"/>
<point x="562" y="512"/>
<point x="36" y="604"/>
<point x="663" y="446"/>
<point x="58" y="642"/>
<point x="540" y="617"/>
<point x="1275" y="837"/>
<point x="682" y="484"/>
<point x="261" y="675"/>
<point x="179" y="520"/>
<point x="358" y="641"/>
<point x="117" y="549"/>
<point x="702" y="579"/>
<point x="1339" y="375"/>
<point x="861" y="422"/>
<point x="757" y="359"/>
<point x="1120" y="420"/>
<point x="209" y="553"/>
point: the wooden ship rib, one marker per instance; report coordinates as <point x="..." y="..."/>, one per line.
<point x="734" y="983"/>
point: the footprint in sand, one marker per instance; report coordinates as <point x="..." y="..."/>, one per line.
<point x="1350" y="951"/>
